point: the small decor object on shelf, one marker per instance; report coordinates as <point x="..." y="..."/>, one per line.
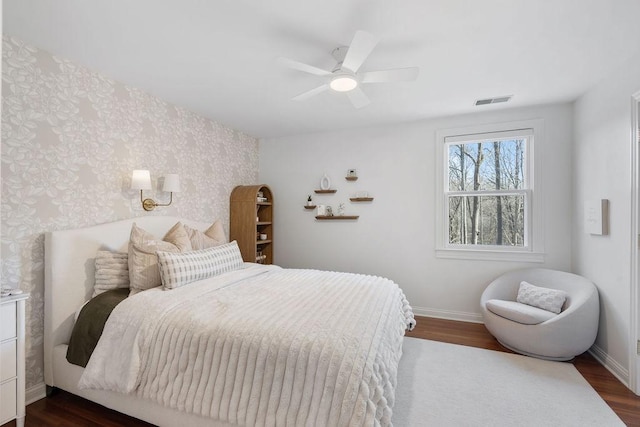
<point x="322" y="210"/>
<point x="309" y="204"/>
<point x="341" y="209"/>
<point x="325" y="182"/>
<point x="329" y="211"/>
<point x="352" y="175"/>
<point x="361" y="196"/>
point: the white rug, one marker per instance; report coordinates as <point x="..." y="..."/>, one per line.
<point x="443" y="384"/>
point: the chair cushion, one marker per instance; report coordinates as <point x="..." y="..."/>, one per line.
<point x="544" y="298"/>
<point x="521" y="313"/>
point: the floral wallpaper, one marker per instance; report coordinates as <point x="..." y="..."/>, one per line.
<point x="70" y="139"/>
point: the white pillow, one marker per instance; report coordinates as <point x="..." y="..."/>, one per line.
<point x="112" y="271"/>
<point x="179" y="269"/>
<point x="213" y="236"/>
<point x="547" y="299"/>
<point x="143" y="262"/>
<point x="521" y="313"/>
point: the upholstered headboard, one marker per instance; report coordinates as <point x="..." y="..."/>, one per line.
<point x="69" y="273"/>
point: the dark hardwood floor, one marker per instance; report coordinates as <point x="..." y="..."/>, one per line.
<point x="64" y="409"/>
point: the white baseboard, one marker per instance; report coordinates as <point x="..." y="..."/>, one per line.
<point x="448" y="314"/>
<point x="619" y="371"/>
<point x="35" y="393"/>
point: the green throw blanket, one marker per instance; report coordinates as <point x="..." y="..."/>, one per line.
<point x="90" y="323"/>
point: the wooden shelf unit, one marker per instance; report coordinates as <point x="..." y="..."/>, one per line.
<point x="351" y="178"/>
<point x="325" y="191"/>
<point x="249" y="218"/>
<point x="361" y="199"/>
<point x="309" y="206"/>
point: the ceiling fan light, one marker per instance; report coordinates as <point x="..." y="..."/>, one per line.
<point x="343" y="83"/>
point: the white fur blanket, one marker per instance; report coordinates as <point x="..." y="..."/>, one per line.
<point x="261" y="346"/>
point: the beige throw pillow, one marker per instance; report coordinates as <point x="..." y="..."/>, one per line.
<point x="143" y="262"/>
<point x="214" y="236"/>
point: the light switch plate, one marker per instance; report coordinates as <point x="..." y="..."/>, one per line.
<point x="596" y="217"/>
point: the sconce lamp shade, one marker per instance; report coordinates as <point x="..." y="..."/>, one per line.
<point x="171" y="183"/>
<point x="141" y="180"/>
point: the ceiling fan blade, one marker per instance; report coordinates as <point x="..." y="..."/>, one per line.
<point x="395" y="75"/>
<point x="358" y="98"/>
<point x="360" y="48"/>
<point x="303" y="67"/>
<point x="310" y="93"/>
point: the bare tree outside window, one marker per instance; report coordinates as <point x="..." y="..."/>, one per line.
<point x="487" y="192"/>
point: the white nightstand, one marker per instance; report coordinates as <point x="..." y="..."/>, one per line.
<point x="12" y="368"/>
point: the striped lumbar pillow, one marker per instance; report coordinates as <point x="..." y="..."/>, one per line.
<point x="179" y="269"/>
<point x="112" y="271"/>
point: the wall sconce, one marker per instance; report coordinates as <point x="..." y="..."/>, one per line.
<point x="141" y="180"/>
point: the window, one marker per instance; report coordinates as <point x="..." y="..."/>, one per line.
<point x="488" y="204"/>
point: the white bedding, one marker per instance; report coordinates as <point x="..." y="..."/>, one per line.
<point x="260" y="346"/>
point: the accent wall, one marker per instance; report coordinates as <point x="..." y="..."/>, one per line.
<point x="70" y="139"/>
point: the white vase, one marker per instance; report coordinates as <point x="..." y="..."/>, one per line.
<point x="325" y="182"/>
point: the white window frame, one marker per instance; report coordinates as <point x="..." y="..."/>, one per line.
<point x="533" y="250"/>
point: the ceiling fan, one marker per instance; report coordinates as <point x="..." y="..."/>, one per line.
<point x="345" y="77"/>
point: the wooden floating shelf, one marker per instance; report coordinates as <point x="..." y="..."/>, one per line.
<point x="351" y="178"/>
<point x="325" y="191"/>
<point x="324" y="217"/>
<point x="309" y="206"/>
<point x="361" y="199"/>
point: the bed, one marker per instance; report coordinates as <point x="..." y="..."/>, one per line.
<point x="346" y="377"/>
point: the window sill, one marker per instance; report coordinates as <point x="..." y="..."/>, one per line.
<point x="490" y="255"/>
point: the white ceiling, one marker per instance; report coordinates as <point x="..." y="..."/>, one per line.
<point x="218" y="57"/>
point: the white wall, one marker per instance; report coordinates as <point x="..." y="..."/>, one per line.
<point x="603" y="171"/>
<point x="395" y="235"/>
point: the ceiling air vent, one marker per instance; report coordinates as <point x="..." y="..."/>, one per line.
<point x="493" y="100"/>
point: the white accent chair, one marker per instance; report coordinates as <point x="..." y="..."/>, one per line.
<point x="566" y="335"/>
